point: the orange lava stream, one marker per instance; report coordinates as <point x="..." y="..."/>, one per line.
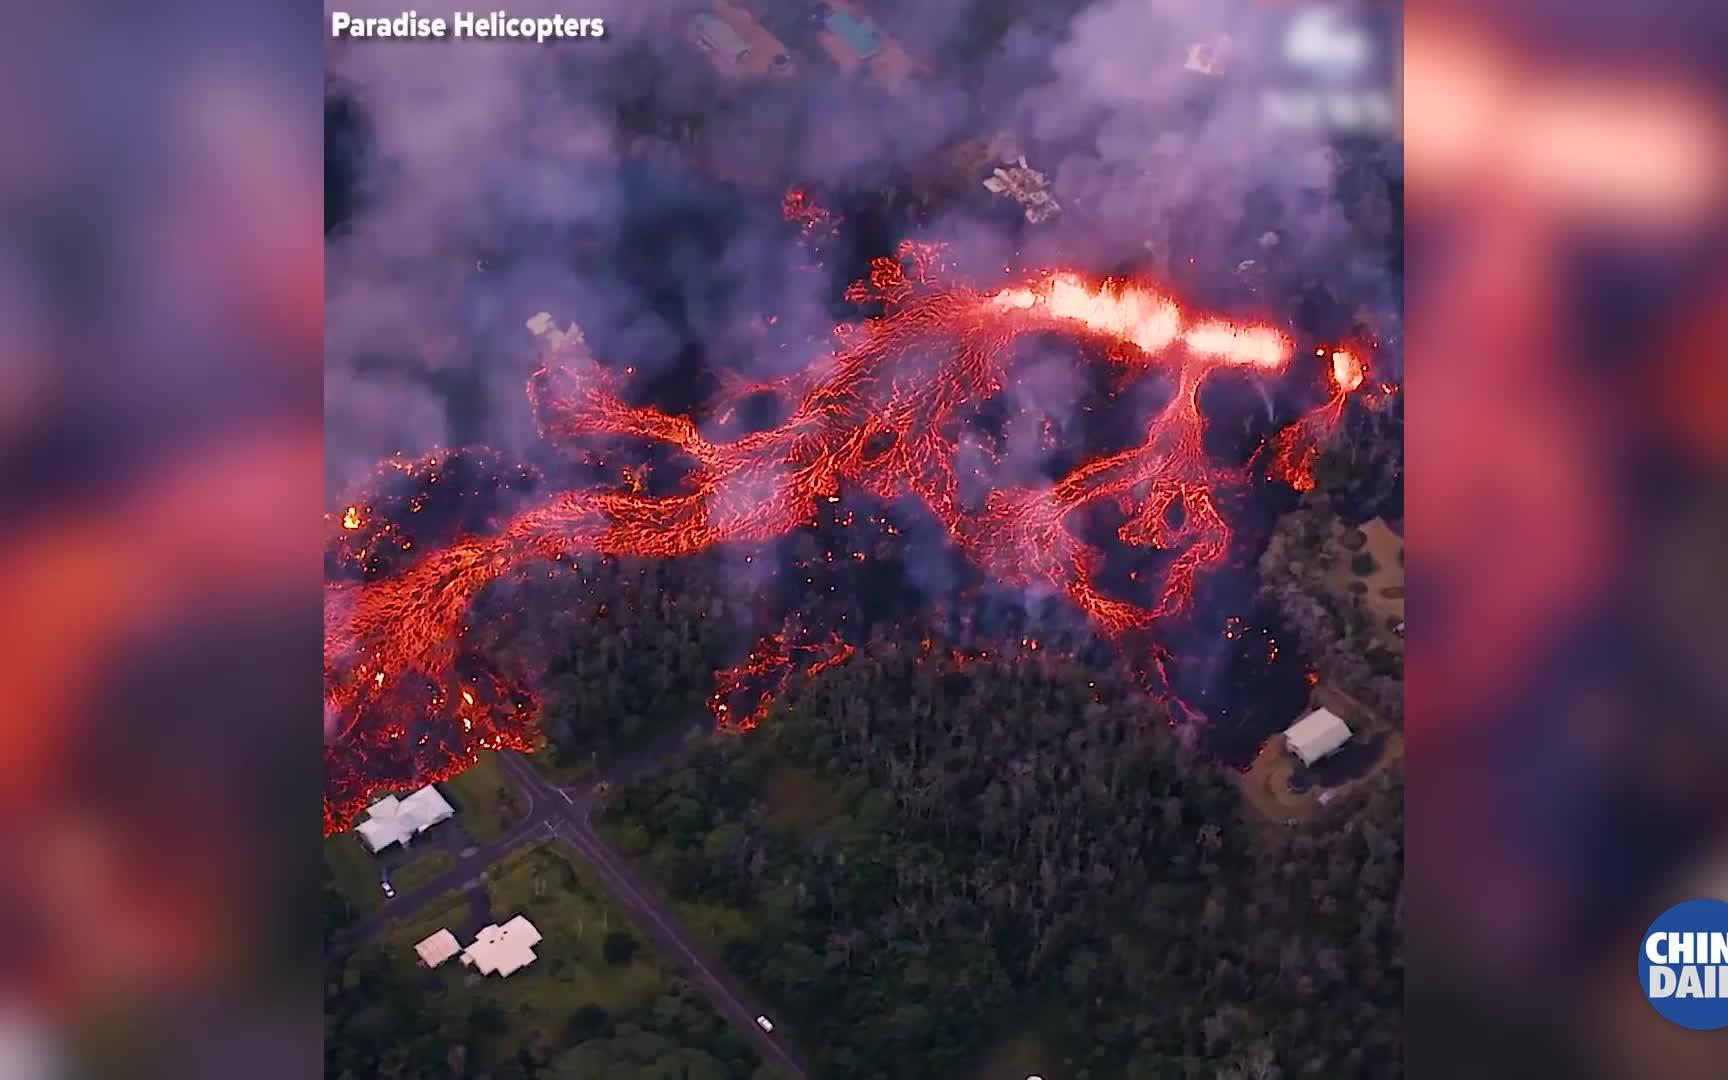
<point x="881" y="415"/>
<point x="759" y="679"/>
<point x="1297" y="447"/>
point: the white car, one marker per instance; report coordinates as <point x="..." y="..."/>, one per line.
<point x="764" y="1023"/>
<point x="389" y="889"/>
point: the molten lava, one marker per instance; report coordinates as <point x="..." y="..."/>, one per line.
<point x="743" y="694"/>
<point x="882" y="414"/>
<point x="1297" y="447"/>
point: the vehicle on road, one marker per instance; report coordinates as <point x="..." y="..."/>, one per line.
<point x="389" y="889"/>
<point x="764" y="1023"/>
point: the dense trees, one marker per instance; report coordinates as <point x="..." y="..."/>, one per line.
<point x="622" y="650"/>
<point x="1337" y="632"/>
<point x="995" y="844"/>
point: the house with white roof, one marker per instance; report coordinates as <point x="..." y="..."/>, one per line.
<point x="503" y="950"/>
<point x="438" y="948"/>
<point x="1316" y="735"/>
<point x="397" y="821"/>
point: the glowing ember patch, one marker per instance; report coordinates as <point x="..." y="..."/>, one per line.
<point x="467" y="697"/>
<point x="351" y="518"/>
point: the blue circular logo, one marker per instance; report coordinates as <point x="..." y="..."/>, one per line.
<point x="1683" y="964"/>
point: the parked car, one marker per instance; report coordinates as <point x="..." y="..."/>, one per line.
<point x="389" y="889"/>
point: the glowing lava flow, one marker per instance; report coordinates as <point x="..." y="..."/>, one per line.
<point x="757" y="681"/>
<point x="1297" y="447"/>
<point x="883" y="413"/>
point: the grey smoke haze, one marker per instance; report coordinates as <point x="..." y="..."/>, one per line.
<point x="1146" y="161"/>
<point x="479" y="146"/>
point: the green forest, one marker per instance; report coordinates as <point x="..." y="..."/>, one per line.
<point x="926" y="857"/>
<point x="621" y="650"/>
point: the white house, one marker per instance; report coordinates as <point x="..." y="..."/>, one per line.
<point x="438" y="948"/>
<point x="503" y="950"/>
<point x="396" y="821"/>
<point x="1316" y="735"/>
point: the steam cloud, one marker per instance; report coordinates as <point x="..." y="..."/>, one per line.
<point x="498" y="147"/>
<point x="508" y="152"/>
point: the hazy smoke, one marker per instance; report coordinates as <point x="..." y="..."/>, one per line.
<point x="509" y="148"/>
<point x="497" y="186"/>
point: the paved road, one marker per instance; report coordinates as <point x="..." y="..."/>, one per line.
<point x="563" y="814"/>
<point x="570" y="822"/>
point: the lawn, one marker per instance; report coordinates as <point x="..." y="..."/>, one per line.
<point x="483" y="812"/>
<point x="574" y="918"/>
<point x="355" y="871"/>
<point x="411" y="876"/>
<point x="448" y="911"/>
<point x="1370" y="563"/>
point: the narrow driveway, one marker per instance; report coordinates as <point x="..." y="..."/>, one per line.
<point x="466" y="874"/>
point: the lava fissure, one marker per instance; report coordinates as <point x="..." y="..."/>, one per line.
<point x="882" y="414"/>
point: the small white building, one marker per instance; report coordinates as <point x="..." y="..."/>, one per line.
<point x="503" y="950"/>
<point x="397" y="821"/>
<point x="438" y="948"/>
<point x="1317" y="735"/>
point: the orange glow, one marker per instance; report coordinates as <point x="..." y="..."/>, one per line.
<point x="874" y="415"/>
<point x="351" y="518"/>
<point x="1297" y="447"/>
<point x="1347" y="371"/>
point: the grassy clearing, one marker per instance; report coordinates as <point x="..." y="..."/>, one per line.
<point x="1383" y="587"/>
<point x="422" y="870"/>
<point x="355" y="871"/>
<point x="448" y="912"/>
<point x="487" y="806"/>
<point x="574" y="918"/>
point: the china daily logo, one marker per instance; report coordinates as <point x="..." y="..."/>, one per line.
<point x="1683" y="964"/>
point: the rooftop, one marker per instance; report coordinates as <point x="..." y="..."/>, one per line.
<point x="1316" y="735"/>
<point x="438" y="948"/>
<point x="396" y="821"/>
<point x="503" y="950"/>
